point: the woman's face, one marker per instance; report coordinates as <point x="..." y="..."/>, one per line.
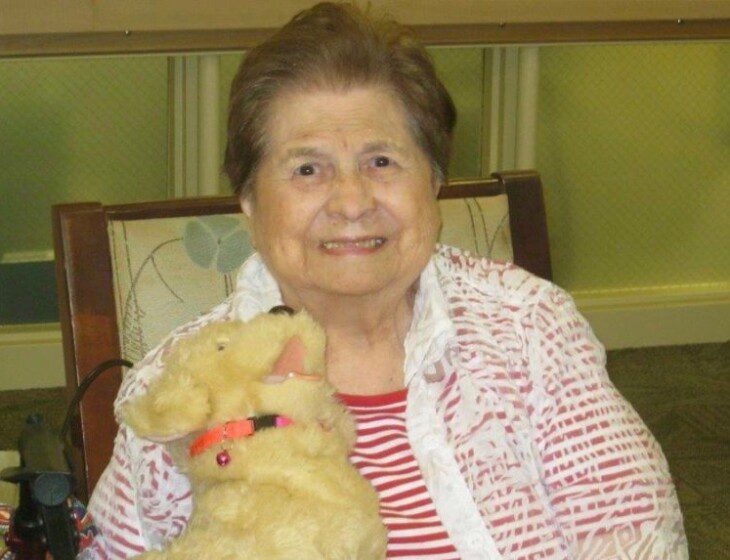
<point x="344" y="199"/>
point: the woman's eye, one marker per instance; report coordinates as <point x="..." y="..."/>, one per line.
<point x="381" y="161"/>
<point x="306" y="170"/>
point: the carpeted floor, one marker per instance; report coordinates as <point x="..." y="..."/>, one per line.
<point x="683" y="395"/>
<point x="681" y="392"/>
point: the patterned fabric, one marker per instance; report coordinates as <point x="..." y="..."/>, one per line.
<point x="6" y="514"/>
<point x="384" y="456"/>
<point x="167" y="271"/>
<point x="525" y="446"/>
<point x="479" y="226"/>
<point x="160" y="267"/>
<point x="87" y="531"/>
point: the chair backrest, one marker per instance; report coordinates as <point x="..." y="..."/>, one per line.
<point x="128" y="274"/>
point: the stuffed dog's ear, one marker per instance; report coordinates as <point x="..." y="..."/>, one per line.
<point x="291" y="358"/>
<point x="172" y="407"/>
<point x="290" y="362"/>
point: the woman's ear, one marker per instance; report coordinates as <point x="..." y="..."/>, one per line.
<point x="246" y="202"/>
<point x="247" y="206"/>
<point x="436" y="183"/>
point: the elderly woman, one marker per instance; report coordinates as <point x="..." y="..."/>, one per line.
<point x="488" y="424"/>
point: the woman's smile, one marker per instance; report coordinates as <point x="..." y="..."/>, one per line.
<point x="353" y="246"/>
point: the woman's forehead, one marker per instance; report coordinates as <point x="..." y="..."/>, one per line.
<point x="356" y="119"/>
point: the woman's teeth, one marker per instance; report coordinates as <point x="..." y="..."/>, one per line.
<point x="361" y="243"/>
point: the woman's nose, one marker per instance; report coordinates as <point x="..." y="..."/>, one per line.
<point x="352" y="197"/>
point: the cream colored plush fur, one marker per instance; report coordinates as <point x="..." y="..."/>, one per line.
<point x="287" y="493"/>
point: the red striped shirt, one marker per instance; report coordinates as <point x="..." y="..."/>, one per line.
<point x="384" y="456"/>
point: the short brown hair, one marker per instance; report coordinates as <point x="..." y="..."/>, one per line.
<point x="335" y="46"/>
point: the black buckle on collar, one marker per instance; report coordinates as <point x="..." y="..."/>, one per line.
<point x="261" y="422"/>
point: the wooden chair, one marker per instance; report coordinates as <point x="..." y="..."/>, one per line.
<point x="101" y="289"/>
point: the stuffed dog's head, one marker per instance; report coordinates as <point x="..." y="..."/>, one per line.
<point x="270" y="365"/>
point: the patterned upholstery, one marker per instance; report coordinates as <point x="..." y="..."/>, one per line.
<point x="478" y="225"/>
<point x="169" y="270"/>
<point x="162" y="278"/>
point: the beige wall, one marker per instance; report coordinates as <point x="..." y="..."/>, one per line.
<point x="634" y="151"/>
<point x="74" y="16"/>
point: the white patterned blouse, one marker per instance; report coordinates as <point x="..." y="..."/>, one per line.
<point x="526" y="447"/>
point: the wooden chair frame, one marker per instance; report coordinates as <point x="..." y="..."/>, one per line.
<point x="86" y="292"/>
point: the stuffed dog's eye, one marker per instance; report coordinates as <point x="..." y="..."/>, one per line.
<point x="281" y="310"/>
<point x="221" y="344"/>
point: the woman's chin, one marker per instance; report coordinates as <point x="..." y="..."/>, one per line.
<point x="375" y="273"/>
<point x="348" y="279"/>
<point x="356" y="285"/>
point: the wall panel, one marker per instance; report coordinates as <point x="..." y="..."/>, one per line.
<point x="633" y="147"/>
<point x="53" y="27"/>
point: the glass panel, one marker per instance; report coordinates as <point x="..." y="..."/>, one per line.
<point x="71" y="130"/>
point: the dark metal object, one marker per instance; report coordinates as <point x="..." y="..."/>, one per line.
<point x="43" y="521"/>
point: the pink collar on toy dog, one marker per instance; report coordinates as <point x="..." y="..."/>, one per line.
<point x="236" y="429"/>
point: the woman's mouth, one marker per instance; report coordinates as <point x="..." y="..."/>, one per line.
<point x="358" y="245"/>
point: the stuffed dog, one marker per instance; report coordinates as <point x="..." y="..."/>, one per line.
<point x="246" y="413"/>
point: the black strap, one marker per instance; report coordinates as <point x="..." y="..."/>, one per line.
<point x="261" y="422"/>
